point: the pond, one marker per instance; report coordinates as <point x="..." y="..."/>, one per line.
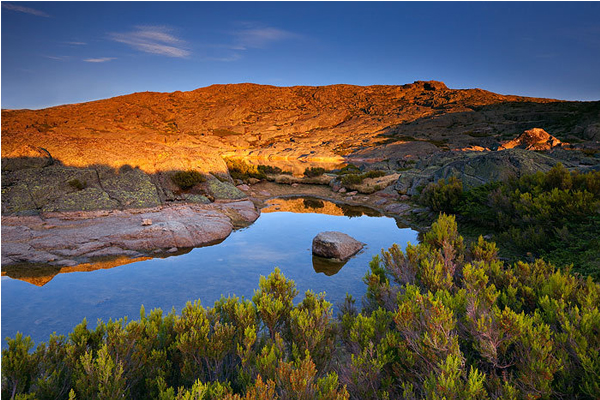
<point x="281" y="237"/>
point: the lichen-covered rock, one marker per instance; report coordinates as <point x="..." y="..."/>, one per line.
<point x="89" y="199"/>
<point x="131" y="188"/>
<point x="474" y="168"/>
<point x="335" y="245"/>
<point x="223" y="190"/>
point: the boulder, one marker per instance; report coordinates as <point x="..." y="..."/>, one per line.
<point x="335" y="245"/>
<point x="533" y="139"/>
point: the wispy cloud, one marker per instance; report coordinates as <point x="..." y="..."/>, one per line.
<point x="249" y="35"/>
<point x="26" y="10"/>
<point x="58" y="58"/>
<point x="75" y="43"/>
<point x="154" y="40"/>
<point x="99" y="59"/>
<point x="260" y="37"/>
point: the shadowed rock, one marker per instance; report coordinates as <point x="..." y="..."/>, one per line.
<point x="335" y="245"/>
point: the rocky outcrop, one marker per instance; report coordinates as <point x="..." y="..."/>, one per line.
<point x="70" y="238"/>
<point x="533" y="139"/>
<point x="474" y="168"/>
<point x="335" y="245"/>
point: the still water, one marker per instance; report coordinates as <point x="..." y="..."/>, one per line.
<point x="281" y="237"/>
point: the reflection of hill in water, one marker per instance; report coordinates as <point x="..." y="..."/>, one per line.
<point x="317" y="206"/>
<point x="40" y="274"/>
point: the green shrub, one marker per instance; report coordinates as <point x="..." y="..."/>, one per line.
<point x="77" y="184"/>
<point x="349" y="169"/>
<point x="239" y="169"/>
<point x="357" y="179"/>
<point x="268" y="169"/>
<point x="187" y="179"/>
<point x="443" y="196"/>
<point x="439" y="321"/>
<point x="312" y="172"/>
<point x="552" y="215"/>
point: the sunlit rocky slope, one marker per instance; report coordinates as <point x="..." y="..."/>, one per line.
<point x="158" y="133"/>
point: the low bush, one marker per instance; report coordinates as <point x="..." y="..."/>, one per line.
<point x="239" y="169"/>
<point x="187" y="179"/>
<point x="349" y="169"/>
<point x="443" y="195"/>
<point x="313" y="172"/>
<point x="77" y="184"/>
<point x="440" y="320"/>
<point x="268" y="169"/>
<point x="554" y="215"/>
<point x="357" y="179"/>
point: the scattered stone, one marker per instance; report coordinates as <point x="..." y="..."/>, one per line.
<point x="336" y="245"/>
<point x="294" y="185"/>
<point x="489" y="236"/>
<point x="253" y="181"/>
<point x="404" y="197"/>
<point x="342" y="190"/>
<point x="264" y="193"/>
<point x="146" y="222"/>
<point x="243" y="187"/>
<point x="353" y="193"/>
<point x="172" y="250"/>
<point x="380" y="202"/>
<point x="398" y="208"/>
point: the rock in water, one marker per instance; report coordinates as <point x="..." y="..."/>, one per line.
<point x="335" y="245"/>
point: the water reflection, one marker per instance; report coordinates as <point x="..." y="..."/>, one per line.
<point x="327" y="266"/>
<point x="277" y="239"/>
<point x="318" y="206"/>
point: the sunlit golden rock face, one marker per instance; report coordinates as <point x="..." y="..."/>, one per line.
<point x="533" y="139"/>
<point x="181" y="130"/>
<point x="43" y="274"/>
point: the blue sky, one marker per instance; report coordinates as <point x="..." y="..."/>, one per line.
<point x="67" y="52"/>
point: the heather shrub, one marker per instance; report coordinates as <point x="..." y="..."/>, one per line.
<point x="440" y="320"/>
<point x="313" y="172"/>
<point x="442" y="195"/>
<point x="239" y="169"/>
<point x="187" y="179"/>
<point x="77" y="184"/>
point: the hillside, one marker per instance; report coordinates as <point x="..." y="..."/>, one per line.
<point x="158" y="133"/>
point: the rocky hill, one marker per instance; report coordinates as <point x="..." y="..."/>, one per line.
<point x="123" y="150"/>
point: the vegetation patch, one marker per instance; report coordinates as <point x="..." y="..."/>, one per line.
<point x="312" y="172"/>
<point x="187" y="179"/>
<point x="554" y="215"/>
<point x="357" y="179"/>
<point x="77" y="184"/>
<point x="439" y="320"/>
<point x="240" y="169"/>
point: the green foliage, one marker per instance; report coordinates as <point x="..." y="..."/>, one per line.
<point x="187" y="179"/>
<point x="440" y="321"/>
<point x="239" y="169"/>
<point x="77" y="184"/>
<point x="357" y="179"/>
<point x="443" y="196"/>
<point x="349" y="169"/>
<point x="313" y="172"/>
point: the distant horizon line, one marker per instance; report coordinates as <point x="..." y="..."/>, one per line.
<point x="283" y="86"/>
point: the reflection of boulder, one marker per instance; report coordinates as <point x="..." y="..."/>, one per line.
<point x="327" y="266"/>
<point x="313" y="204"/>
<point x="336" y="245"/>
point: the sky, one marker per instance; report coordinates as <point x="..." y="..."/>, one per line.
<point x="69" y="52"/>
